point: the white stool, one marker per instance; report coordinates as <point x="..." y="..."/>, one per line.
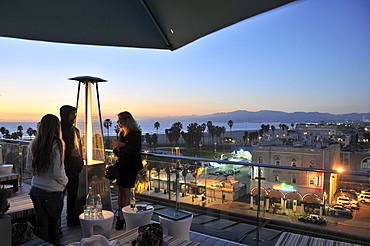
<point x="6" y="168"/>
<point x="135" y="218"/>
<point x="179" y="229"/>
<point x="87" y="225"/>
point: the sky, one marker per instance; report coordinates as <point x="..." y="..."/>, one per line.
<point x="310" y="56"/>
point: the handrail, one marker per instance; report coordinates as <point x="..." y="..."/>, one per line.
<point x="310" y="169"/>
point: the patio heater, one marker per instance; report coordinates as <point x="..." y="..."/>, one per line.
<point x="89" y="122"/>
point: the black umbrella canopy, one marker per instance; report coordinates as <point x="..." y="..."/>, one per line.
<point x="159" y="24"/>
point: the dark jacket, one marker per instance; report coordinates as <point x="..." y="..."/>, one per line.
<point x="129" y="156"/>
<point x="73" y="164"/>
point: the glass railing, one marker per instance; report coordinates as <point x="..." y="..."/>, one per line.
<point x="264" y="191"/>
<point x="14" y="152"/>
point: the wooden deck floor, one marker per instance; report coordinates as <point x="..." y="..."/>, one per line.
<point x="21" y="205"/>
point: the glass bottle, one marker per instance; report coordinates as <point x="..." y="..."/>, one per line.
<point x="90" y="202"/>
<point x="99" y="207"/>
<point x="133" y="200"/>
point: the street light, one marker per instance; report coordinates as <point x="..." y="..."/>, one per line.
<point x="340" y="169"/>
<point x="215" y="148"/>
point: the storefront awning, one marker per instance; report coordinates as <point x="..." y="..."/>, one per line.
<point x="312" y="198"/>
<point x="293" y="196"/>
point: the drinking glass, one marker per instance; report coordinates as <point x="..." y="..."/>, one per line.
<point x="87" y="212"/>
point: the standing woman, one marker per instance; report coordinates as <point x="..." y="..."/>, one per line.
<point x="127" y="148"/>
<point x="45" y="162"/>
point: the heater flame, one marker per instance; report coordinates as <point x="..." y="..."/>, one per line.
<point x="88" y="127"/>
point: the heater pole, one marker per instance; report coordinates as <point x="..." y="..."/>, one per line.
<point x="86" y="135"/>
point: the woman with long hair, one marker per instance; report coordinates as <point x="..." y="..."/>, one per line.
<point x="45" y="161"/>
<point x="127" y="148"/>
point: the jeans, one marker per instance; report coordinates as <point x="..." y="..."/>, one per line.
<point x="48" y="208"/>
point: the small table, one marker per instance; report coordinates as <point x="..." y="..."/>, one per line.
<point x="176" y="225"/>
<point x="178" y="229"/>
<point x="106" y="223"/>
<point x="135" y="218"/>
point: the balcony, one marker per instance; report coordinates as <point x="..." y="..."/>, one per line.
<point x="235" y="202"/>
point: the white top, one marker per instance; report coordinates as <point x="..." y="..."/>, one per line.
<point x="55" y="179"/>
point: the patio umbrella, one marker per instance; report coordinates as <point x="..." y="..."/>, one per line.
<point x="159" y="24"/>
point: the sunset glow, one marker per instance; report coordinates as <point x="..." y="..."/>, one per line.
<point x="289" y="59"/>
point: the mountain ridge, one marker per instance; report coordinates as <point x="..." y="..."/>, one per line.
<point x="262" y="116"/>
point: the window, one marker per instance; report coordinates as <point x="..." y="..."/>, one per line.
<point x="277" y="160"/>
<point x="365" y="164"/>
<point x="312" y="182"/>
<point x="260" y="159"/>
<point x="312" y="163"/>
<point x="294" y="180"/>
<point x="277" y="178"/>
<point x="294" y="162"/>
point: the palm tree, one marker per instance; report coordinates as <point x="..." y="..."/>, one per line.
<point x="273" y="130"/>
<point x="116" y="129"/>
<point x="6" y="134"/>
<point x="107" y="124"/>
<point x="231" y="123"/>
<point x="148" y="139"/>
<point x="210" y="127"/>
<point x="218" y="132"/>
<point x="20" y="131"/>
<point x="156" y="126"/>
<point x="14" y="135"/>
<point x="223" y="131"/>
<point x="154" y="140"/>
<point x="30" y="131"/>
<point x="2" y="130"/>
<point x="245" y="136"/>
<point x="204" y="126"/>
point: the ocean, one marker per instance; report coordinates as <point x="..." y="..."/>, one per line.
<point x="149" y="127"/>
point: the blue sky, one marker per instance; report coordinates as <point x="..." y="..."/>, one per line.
<point x="312" y="55"/>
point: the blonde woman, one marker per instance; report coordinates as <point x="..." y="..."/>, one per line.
<point x="127" y="147"/>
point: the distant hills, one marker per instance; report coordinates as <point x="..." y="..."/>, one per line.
<point x="263" y="116"/>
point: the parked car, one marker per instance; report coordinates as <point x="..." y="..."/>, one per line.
<point x="347" y="192"/>
<point x="343" y="199"/>
<point x="340" y="210"/>
<point x="365" y="191"/>
<point x="351" y="206"/>
<point x="313" y="218"/>
<point x="364" y="198"/>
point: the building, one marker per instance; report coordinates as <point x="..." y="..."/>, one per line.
<point x="314" y="131"/>
<point x="302" y="186"/>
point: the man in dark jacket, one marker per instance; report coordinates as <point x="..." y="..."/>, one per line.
<point x="73" y="160"/>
